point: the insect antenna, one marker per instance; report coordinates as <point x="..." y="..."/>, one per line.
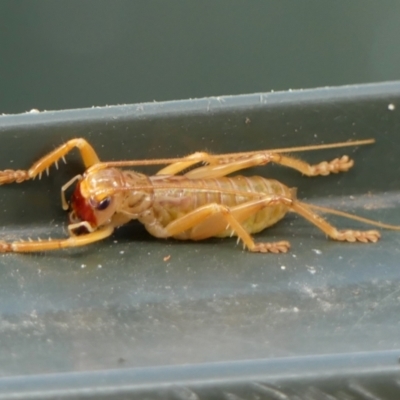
<point x="163" y="161"/>
<point x="320" y="146"/>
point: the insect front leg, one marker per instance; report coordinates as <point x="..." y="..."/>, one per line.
<point x="87" y="152"/>
<point x="55" y="244"/>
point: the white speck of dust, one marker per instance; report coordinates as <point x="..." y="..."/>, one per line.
<point x="254" y="285"/>
<point x="294" y="255"/>
<point x="283" y="267"/>
<point x="316" y="251"/>
<point x="391" y="107"/>
<point x="310" y="292"/>
<point x="99" y="266"/>
<point x="295" y="309"/>
<point x="311" y="269"/>
<point x="122" y="252"/>
<point x="83" y="266"/>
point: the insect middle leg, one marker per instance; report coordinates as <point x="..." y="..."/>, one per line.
<point x="220" y="166"/>
<point x="87" y="152"/>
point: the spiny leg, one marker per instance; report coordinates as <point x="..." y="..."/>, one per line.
<point x="348" y="235"/>
<point x="198" y="219"/>
<point x="55" y="244"/>
<point x="235" y="215"/>
<point x="246" y="209"/>
<point x="219" y="166"/>
<point x="88" y="155"/>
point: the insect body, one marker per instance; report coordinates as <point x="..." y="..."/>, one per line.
<point x="199" y="204"/>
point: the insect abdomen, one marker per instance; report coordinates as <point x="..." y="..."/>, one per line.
<point x="187" y="195"/>
<point x="267" y="216"/>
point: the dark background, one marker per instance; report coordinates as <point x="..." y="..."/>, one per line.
<point x="71" y="54"/>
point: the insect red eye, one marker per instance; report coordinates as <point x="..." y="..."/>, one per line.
<point x="103" y="204"/>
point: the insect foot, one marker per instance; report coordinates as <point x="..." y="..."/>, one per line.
<point x="274" y="247"/>
<point x="10" y="176"/>
<point x="358" y="236"/>
<point x="342" y="164"/>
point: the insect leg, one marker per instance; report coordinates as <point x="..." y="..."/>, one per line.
<point x="342" y="235"/>
<point x="334" y="166"/>
<point x="230" y="165"/>
<point x="187" y="162"/>
<point x="88" y="154"/>
<point x="55" y="244"/>
<point x="211" y="219"/>
<point x="206" y="222"/>
<point x="244" y="210"/>
<point x="217" y="166"/>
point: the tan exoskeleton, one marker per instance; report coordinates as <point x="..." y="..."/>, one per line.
<point x="199" y="204"/>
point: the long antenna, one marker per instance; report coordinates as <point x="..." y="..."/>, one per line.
<point x="161" y="161"/>
<point x="323" y="146"/>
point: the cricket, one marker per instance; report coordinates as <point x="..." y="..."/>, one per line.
<point x="191" y="198"/>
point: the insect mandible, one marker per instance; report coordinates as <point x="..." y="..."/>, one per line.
<point x="201" y="203"/>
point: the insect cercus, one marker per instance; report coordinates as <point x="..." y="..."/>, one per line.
<point x="201" y="203"/>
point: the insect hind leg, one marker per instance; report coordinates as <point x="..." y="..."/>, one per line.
<point x="347" y="235"/>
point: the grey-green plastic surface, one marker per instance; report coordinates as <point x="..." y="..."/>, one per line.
<point x="119" y="320"/>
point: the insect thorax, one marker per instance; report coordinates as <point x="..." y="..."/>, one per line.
<point x="137" y="196"/>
